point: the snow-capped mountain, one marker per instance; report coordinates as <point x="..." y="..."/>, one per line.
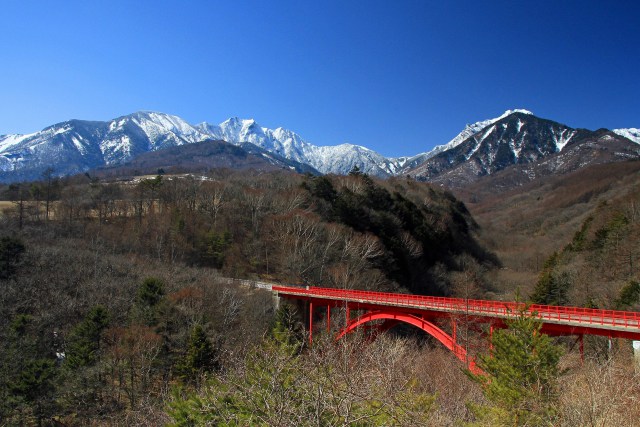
<point x="515" y="137"/>
<point x="408" y="163"/>
<point x="338" y="159"/>
<point x="76" y="146"/>
<point x="520" y="138"/>
<point x="129" y="136"/>
<point x="473" y="129"/>
<point x="68" y="147"/>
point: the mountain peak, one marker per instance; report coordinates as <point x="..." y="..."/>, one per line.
<point x="75" y="146"/>
<point x="250" y="123"/>
<point x="515" y="110"/>
<point x="468" y="131"/>
<point x="231" y="121"/>
<point x="238" y="123"/>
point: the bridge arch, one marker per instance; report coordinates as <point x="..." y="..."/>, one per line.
<point x="392" y="319"/>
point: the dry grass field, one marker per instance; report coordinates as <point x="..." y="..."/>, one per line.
<point x="4" y="205"/>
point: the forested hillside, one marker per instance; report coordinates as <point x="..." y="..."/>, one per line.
<point x="118" y="304"/>
<point x="331" y="231"/>
<point x="570" y="240"/>
<point x="106" y="285"/>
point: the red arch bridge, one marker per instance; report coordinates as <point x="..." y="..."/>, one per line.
<point x="429" y="313"/>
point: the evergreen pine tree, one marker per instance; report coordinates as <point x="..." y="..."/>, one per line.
<point x="520" y="376"/>
<point x="83" y="375"/>
<point x="27" y="377"/>
<point x="553" y="286"/>
<point x="83" y="343"/>
<point x="200" y="357"/>
<point x="286" y="330"/>
<point x="629" y="295"/>
<point x="11" y="250"/>
<point x="150" y="294"/>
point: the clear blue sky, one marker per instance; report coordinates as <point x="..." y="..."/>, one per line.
<point x="396" y="76"/>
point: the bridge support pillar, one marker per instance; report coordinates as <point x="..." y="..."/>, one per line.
<point x="582" y="348"/>
<point x="636" y="354"/>
<point x="491" y="340"/>
<point x="310" y="322"/>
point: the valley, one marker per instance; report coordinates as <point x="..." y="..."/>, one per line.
<point x="120" y="285"/>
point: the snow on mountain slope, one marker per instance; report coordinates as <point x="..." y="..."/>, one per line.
<point x="280" y="141"/>
<point x="632" y="134"/>
<point x="144" y="131"/>
<point x="76" y="145"/>
<point x="8" y="141"/>
<point x="406" y="164"/>
<point x="338" y="159"/>
<point x="519" y="139"/>
<point x="473" y="129"/>
<point x="124" y="138"/>
<point x="69" y="147"/>
<point x="341" y="159"/>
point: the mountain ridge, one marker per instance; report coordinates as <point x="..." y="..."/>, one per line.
<point x="76" y="146"/>
<point x="526" y="142"/>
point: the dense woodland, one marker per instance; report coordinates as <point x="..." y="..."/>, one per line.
<point x="119" y="304"/>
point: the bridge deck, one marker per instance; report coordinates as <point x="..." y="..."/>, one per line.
<point x="557" y="319"/>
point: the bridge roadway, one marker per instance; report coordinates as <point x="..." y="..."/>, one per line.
<point x="556" y="320"/>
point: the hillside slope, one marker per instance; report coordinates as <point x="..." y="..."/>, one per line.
<point x="202" y="157"/>
<point x="524" y="226"/>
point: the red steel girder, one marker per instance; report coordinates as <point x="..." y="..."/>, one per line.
<point x="418" y="322"/>
<point x="556" y="320"/>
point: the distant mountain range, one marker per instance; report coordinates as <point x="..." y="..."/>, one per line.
<point x="202" y="157"/>
<point x="515" y="139"/>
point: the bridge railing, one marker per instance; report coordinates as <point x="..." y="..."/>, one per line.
<point x="580" y="315"/>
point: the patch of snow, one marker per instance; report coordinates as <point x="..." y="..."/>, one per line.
<point x="516" y="110"/>
<point x="515" y="149"/>
<point x="484" y="136"/>
<point x="63" y="129"/>
<point x="562" y="139"/>
<point x="9" y="141"/>
<point x="338" y="159"/>
<point x="159" y="127"/>
<point x="516" y="146"/>
<point x="78" y="144"/>
<point x="632" y="134"/>
<point x="116" y="149"/>
<point x="487" y="133"/>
